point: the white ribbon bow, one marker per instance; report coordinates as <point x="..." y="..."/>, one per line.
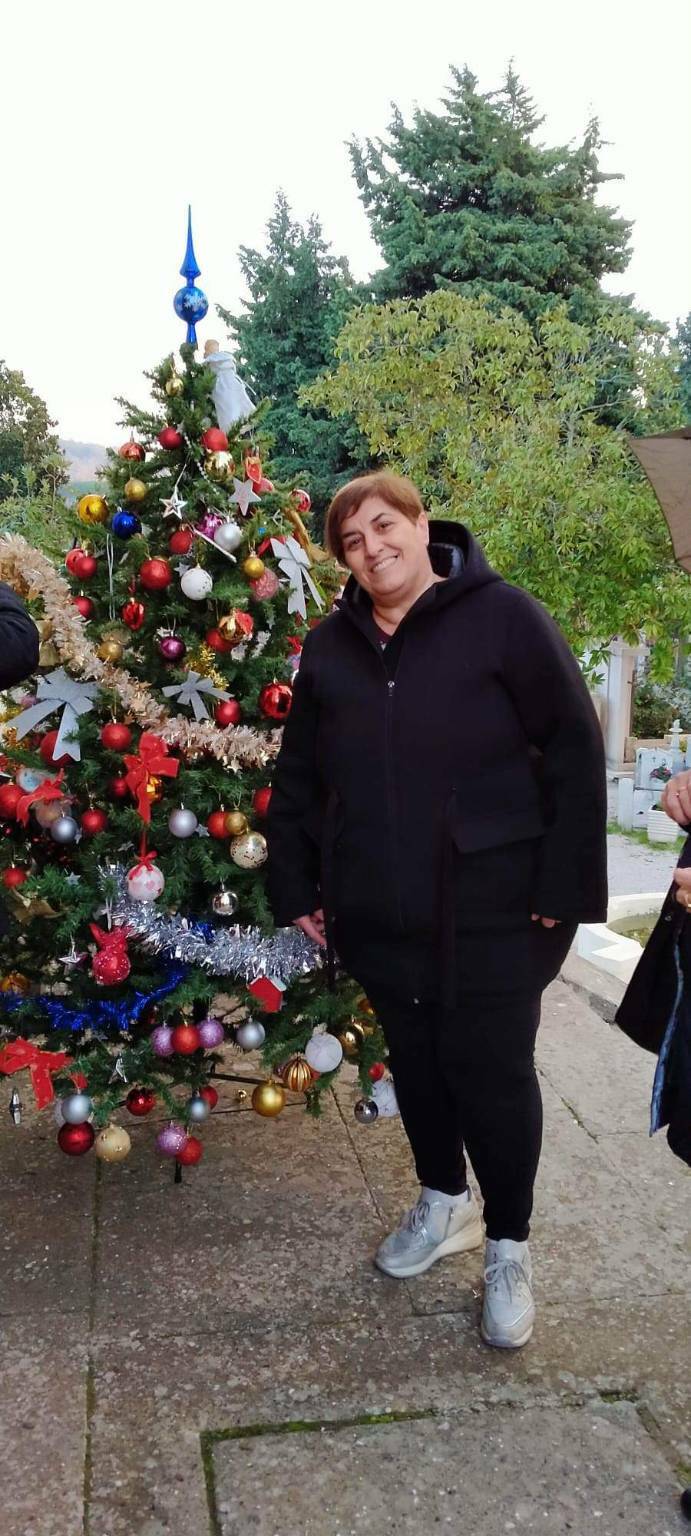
<point x="58" y="691"/>
<point x="190" y="692"/>
<point x="294" y="562"/>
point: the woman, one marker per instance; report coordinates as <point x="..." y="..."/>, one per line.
<point x="438" y="818"/>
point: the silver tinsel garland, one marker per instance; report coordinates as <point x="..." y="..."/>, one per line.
<point x="243" y="953"/>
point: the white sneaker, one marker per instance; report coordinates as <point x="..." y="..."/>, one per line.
<point x="427" y="1232"/>
<point x="508" y="1309"/>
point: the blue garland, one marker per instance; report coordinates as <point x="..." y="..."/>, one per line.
<point x="101" y="1014"/>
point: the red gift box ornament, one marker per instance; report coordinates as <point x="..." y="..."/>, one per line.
<point x="152" y="761"/>
<point x="112" y="963"/>
<point x="267" y="992"/>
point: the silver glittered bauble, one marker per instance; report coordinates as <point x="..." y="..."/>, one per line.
<point x="182" y="823"/>
<point x="249" y="850"/>
<point x="366" y="1112"/>
<point x="65" y="829"/>
<point x="197" y="1108"/>
<point x="224" y="903"/>
<point x="250" y="1035"/>
<point x="228" y="537"/>
<point x="76" y="1108"/>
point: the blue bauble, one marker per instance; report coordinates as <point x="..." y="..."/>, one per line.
<point x="125" y="524"/>
<point x="190" y="304"/>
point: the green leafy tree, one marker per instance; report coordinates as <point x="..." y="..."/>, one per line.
<point x="467" y="197"/>
<point x="170" y="648"/>
<point x="682" y="339"/>
<point x="299" y="297"/>
<point x="500" y="428"/>
<point x="26" y="440"/>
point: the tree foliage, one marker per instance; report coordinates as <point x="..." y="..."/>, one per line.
<point x="299" y="297"/>
<point x="468" y="197"/>
<point x="682" y="339"/>
<point x="499" y="426"/>
<point x="26" y="440"/>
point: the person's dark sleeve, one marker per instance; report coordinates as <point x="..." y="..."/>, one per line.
<point x="293" y="867"/>
<point x="18" y="640"/>
<point x="557" y="713"/>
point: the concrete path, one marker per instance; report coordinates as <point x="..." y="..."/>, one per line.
<point x="221" y="1359"/>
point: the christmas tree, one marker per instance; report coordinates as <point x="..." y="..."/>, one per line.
<point x="137" y="776"/>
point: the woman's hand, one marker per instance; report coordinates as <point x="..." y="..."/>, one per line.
<point x="682" y="879"/>
<point x="313" y="927"/>
<point x="676" y="798"/>
<point x="547" y="922"/>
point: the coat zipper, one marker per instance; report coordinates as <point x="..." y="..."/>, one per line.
<point x="390" y="691"/>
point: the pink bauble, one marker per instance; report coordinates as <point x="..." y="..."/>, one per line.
<point x="161" y="1040"/>
<point x="171" y="1139"/>
<point x="210" y="1033"/>
<point x="266" y="586"/>
<point x="209" y="522"/>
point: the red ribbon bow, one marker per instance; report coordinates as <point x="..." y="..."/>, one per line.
<point x="145" y="860"/>
<point x="48" y="789"/>
<point x="152" y="761"/>
<point x="21" y="1053"/>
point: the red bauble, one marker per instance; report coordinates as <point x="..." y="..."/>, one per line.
<point x="216" y="824"/>
<point x="265" y="485"/>
<point x="185" y="1039"/>
<point x="275" y="700"/>
<point x="84" y="567"/>
<point x="180" y="542"/>
<point x="215" y="441"/>
<point x="190" y="1152"/>
<point x="111" y="966"/>
<point x="140" y="1101"/>
<point x="261" y="800"/>
<point x="133" y="614"/>
<point x="47" y="748"/>
<point x="303" y="500"/>
<point x="132" y="451"/>
<point x="210" y="1095"/>
<point x="72" y="560"/>
<point x="253" y="468"/>
<point x="119" y="788"/>
<point x="93" y="821"/>
<point x="14" y="876"/>
<point x="376" y="1071"/>
<point x="116" y="736"/>
<point x="170" y="438"/>
<point x="84" y="606"/>
<point x="10" y="796"/>
<point x="227" y="712"/>
<point x="75" y="1140"/>
<point x="155" y="575"/>
<point x="215" y="640"/>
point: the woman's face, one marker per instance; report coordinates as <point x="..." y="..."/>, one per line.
<point x="386" y="552"/>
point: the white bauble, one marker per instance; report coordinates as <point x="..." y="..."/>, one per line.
<point x="384" y="1095"/>
<point x="249" y="850"/>
<point x="144" y="883"/>
<point x="76" y="1108"/>
<point x="196" y="583"/>
<point x="228" y="536"/>
<point x="324" y="1053"/>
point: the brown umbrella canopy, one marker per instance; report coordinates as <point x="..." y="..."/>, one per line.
<point x="666" y="459"/>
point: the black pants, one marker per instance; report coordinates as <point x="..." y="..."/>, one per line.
<point x="465" y="1080"/>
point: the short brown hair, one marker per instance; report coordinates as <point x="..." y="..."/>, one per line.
<point x="395" y="489"/>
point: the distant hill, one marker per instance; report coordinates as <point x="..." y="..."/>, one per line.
<point x="84" y="459"/>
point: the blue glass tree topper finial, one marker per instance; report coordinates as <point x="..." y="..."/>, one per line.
<point x="190" y="303"/>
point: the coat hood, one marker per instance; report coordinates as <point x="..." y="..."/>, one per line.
<point x="454" y="554"/>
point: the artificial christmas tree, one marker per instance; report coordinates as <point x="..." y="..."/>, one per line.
<point x="137" y="775"/>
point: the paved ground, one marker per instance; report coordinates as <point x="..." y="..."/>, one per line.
<point x="220" y="1358"/>
<point x="634" y="866"/>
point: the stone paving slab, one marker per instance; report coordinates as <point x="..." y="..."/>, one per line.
<point x="603" y="1076"/>
<point x="541" y="1470"/>
<point x="42" y="1427"/>
<point x="45" y="1247"/>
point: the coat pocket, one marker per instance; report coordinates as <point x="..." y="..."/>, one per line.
<point x="501" y="808"/>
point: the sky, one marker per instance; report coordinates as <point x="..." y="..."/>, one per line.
<point x="115" y="116"/>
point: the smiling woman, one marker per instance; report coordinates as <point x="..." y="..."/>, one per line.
<point x="378" y="527"/>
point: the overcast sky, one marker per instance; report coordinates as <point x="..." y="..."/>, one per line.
<point x="114" y="116"/>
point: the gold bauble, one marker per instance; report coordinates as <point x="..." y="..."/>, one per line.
<point x="110" y="649"/>
<point x="14" y="981"/>
<point x="92" y="509"/>
<point x="154" y="788"/>
<point x="241" y="1095"/>
<point x="174" y="385"/>
<point x="365" y="1008"/>
<point x="268" y="1099"/>
<point x="135" y="490"/>
<point x="112" y="1144"/>
<point x="220" y="466"/>
<point x="253" y="567"/>
<point x="236" y="823"/>
<point x="228" y="627"/>
<point x="297" y="1074"/>
<point x="352" y="1038"/>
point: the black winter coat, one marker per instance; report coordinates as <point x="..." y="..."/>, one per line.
<point x="448" y="785"/>
<point x="18" y="639"/>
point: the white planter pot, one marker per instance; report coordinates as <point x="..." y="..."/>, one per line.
<point x="660" y="827"/>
